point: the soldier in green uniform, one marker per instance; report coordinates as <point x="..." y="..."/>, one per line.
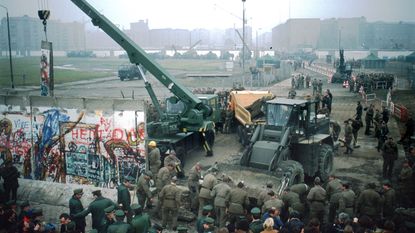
<point x="143" y="189"/>
<point x="154" y="158"/>
<point x="348" y="137"/>
<point x="124" y="197"/>
<point x="219" y="193"/>
<point x="164" y="176"/>
<point x="256" y="226"/>
<point x="141" y="222"/>
<point x="96" y="208"/>
<point x="206" y="212"/>
<point x="170" y="197"/>
<point x="333" y="191"/>
<point x="204" y="195"/>
<point x="292" y="201"/>
<point x="347" y="199"/>
<point x="389" y="200"/>
<point x="369" y="203"/>
<point x="317" y="200"/>
<point x="75" y="207"/>
<point x="109" y="217"/>
<point x="119" y="226"/>
<point x="236" y="202"/>
<point x="193" y="185"/>
<point x="273" y="202"/>
<point x="263" y="195"/>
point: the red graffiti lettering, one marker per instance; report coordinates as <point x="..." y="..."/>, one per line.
<point x="117" y="134"/>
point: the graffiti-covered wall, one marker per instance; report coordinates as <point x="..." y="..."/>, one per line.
<point x="84" y="141"/>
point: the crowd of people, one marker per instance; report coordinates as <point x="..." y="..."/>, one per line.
<point x="368" y="82"/>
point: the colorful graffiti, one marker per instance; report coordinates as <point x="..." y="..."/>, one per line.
<point x="68" y="145"/>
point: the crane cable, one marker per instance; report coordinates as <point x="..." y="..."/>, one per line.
<point x="44" y="13"/>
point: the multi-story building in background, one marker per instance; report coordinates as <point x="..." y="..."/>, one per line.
<point x="26" y="34"/>
<point x="348" y="33"/>
<point x="295" y="34"/>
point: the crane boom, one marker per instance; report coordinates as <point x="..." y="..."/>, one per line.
<point x="193" y="118"/>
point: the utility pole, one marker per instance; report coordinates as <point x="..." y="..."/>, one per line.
<point x="10" y="47"/>
<point x="243" y="42"/>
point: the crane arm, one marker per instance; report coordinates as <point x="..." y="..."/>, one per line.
<point x="138" y="56"/>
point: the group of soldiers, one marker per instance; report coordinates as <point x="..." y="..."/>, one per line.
<point x="298" y="81"/>
<point x="369" y="82"/>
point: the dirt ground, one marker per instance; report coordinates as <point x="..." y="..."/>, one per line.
<point x="360" y="168"/>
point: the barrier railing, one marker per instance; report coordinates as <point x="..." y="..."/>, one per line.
<point x="401" y="112"/>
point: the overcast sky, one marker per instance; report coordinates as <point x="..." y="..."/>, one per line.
<point x="221" y="14"/>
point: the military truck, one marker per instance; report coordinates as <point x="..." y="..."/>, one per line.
<point x="129" y="71"/>
<point x="294" y="138"/>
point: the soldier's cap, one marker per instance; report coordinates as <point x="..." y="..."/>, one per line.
<point x="37" y="212"/>
<point x="135" y="206"/>
<point x="96" y="192"/>
<point x="255" y="210"/>
<point x="119" y="213"/>
<point x="109" y="209"/>
<point x="24" y="204"/>
<point x="182" y="229"/>
<point x="174" y="179"/>
<point x="209" y="220"/>
<point x="152" y="143"/>
<point x="148" y="173"/>
<point x="78" y="191"/>
<point x="208" y="207"/>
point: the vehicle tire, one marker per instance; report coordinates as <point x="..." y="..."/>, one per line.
<point x="294" y="170"/>
<point x="325" y="162"/>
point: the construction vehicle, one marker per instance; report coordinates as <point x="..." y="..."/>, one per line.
<point x="294" y="139"/>
<point x="247" y="111"/>
<point x="343" y="70"/>
<point x="171" y="128"/>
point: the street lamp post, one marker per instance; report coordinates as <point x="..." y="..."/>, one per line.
<point x="243" y="42"/>
<point x="10" y="47"/>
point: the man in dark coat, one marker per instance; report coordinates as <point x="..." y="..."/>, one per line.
<point x="75" y="207"/>
<point x="124" y="197"/>
<point x="96" y="208"/>
<point x="11" y="183"/>
<point x="359" y="111"/>
<point x="389" y="154"/>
